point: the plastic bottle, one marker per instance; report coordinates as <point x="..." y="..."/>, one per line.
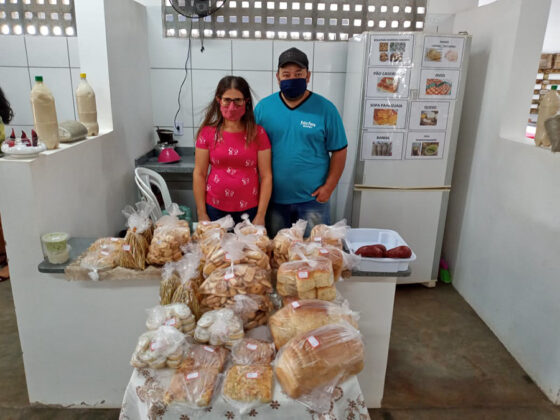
<point x="549" y="106"/>
<point x="87" y="109"/>
<point x="44" y="113"/>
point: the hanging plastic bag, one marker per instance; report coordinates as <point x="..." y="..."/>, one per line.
<point x="284" y="239"/>
<point x="330" y="235"/>
<point x="138" y="236"/>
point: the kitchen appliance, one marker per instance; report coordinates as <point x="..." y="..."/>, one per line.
<point x="402" y="136"/>
<point x="168" y="155"/>
<point x="166" y="146"/>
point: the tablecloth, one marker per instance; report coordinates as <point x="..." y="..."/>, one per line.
<point x="143" y="400"/>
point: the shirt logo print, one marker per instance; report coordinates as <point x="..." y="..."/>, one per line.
<point x="243" y="204"/>
<point x="233" y="152"/>
<point x="229" y="193"/>
<point x="216" y="179"/>
<point x="255" y="191"/>
<point x="215" y="201"/>
<point x="208" y="187"/>
<point x="245" y="181"/>
<point x="307" y="124"/>
<point x="231" y="171"/>
<point x="249" y="162"/>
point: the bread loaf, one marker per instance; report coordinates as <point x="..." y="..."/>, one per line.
<point x="303" y="250"/>
<point x="303" y="277"/>
<point x="306" y="315"/>
<point x="319" y="357"/>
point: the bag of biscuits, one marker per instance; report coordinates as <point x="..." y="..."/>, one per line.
<point x="160" y="348"/>
<point x="188" y="270"/>
<point x="211" y="241"/>
<point x="170" y="235"/>
<point x="224" y="224"/>
<point x="329" y="235"/>
<point x="138" y="236"/>
<point x="219" y="327"/>
<point x="284" y="239"/>
<point x="254" y="310"/>
<point x="256" y="232"/>
<point x="102" y="255"/>
<point x="192" y="387"/>
<point x="176" y="315"/>
<point x="307" y="279"/>
<point x="248" y="386"/>
<point x="251" y="351"/>
<point x="305" y="250"/>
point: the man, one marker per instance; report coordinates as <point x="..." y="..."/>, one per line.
<point x="308" y="146"/>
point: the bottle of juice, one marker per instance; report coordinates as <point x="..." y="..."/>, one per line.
<point x="87" y="108"/>
<point x="44" y="113"/>
<point x="549" y="106"/>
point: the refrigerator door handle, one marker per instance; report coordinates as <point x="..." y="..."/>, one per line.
<point x="361" y="187"/>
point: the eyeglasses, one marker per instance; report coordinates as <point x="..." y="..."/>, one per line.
<point x="236" y="101"/>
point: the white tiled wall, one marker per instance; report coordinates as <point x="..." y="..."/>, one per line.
<point x="255" y="60"/>
<point x="24" y="57"/>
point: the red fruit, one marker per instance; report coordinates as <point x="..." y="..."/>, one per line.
<point x="399" y="252"/>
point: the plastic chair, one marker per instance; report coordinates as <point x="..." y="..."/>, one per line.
<point x="145" y="178"/>
<point x="149" y="196"/>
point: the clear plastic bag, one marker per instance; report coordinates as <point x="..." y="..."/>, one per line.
<point x="176" y="315"/>
<point x="157" y="349"/>
<point x="169" y="236"/>
<point x="204" y="356"/>
<point x="250" y="351"/>
<point x="350" y="262"/>
<point x="195" y="387"/>
<point x="219" y="327"/>
<point x="254" y="310"/>
<point x="234" y="280"/>
<point x="188" y="270"/>
<point x="170" y="281"/>
<point x="248" y="386"/>
<point x="311" y="364"/>
<point x="300" y="316"/>
<point x="284" y="239"/>
<point x="302" y="250"/>
<point x="138" y="236"/>
<point x="307" y="278"/>
<point x="254" y="233"/>
<point x="330" y="235"/>
<point x="102" y="255"/>
<point x="224" y="224"/>
<point x="211" y="241"/>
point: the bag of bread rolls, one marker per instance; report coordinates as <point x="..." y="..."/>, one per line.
<point x="311" y="364"/>
<point x="329" y="235"/>
<point x="255" y="233"/>
<point x="300" y="316"/>
<point x="169" y="236"/>
<point x="138" y="236"/>
<point x="304" y="250"/>
<point x="224" y="224"/>
<point x="284" y="239"/>
<point x="307" y="279"/>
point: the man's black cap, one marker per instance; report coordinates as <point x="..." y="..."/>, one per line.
<point x="295" y="56"/>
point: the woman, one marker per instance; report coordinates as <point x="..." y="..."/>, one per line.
<point x="6" y="115"/>
<point x="238" y="151"/>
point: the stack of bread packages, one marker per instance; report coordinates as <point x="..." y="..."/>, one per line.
<point x="249" y="381"/>
<point x="319" y="347"/>
<point x="170" y="235"/>
<point x="138" y="236"/>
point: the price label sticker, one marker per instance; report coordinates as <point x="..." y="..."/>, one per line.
<point x="191" y="376"/>
<point x="115" y="239"/>
<point x="205" y="223"/>
<point x="126" y="248"/>
<point x="229" y="276"/>
<point x="171" y="322"/>
<point x="228" y="257"/>
<point x="154" y="345"/>
<point x="104" y="253"/>
<point x="313" y="341"/>
<point x="317" y="239"/>
<point x="324" y="251"/>
<point x="303" y="274"/>
<point x="209" y="349"/>
<point x="252" y="346"/>
<point x="295" y="304"/>
<point x="252" y="375"/>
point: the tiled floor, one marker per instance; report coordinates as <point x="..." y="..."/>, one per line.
<point x="444" y="363"/>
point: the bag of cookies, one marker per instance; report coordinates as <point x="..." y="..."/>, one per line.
<point x="248" y="386"/>
<point x="102" y="255"/>
<point x="211" y="241"/>
<point x="204" y="356"/>
<point x="256" y="232"/>
<point x="284" y="239"/>
<point x="188" y="269"/>
<point x="169" y="236"/>
<point x="224" y="224"/>
<point x="219" y="327"/>
<point x="193" y="387"/>
<point x="138" y="236"/>
<point x="307" y="279"/>
<point x="254" y="310"/>
<point x="176" y="315"/>
<point x="329" y="235"/>
<point x="250" y="351"/>
<point x="305" y="250"/>
<point x="157" y="349"/>
<point x="170" y="280"/>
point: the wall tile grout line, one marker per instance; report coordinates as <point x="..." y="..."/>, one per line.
<point x="71" y="81"/>
<point x="27" y="60"/>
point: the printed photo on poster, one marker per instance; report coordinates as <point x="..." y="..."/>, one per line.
<point x="388" y="83"/>
<point x="439" y="84"/>
<point x="425" y="145"/>
<point x="382" y="146"/>
<point x="385" y="114"/>
<point x="445" y="52"/>
<point x="392" y="50"/>
<point x="428" y="115"/>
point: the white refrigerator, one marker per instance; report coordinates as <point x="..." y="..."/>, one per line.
<point x="402" y="109"/>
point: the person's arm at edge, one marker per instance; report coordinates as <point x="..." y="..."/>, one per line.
<point x="265" y="174"/>
<point x="336" y="167"/>
<point x="200" y="173"/>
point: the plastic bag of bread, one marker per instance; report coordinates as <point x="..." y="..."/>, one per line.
<point x="234" y="280"/>
<point x="203" y="356"/>
<point x="304" y="250"/>
<point x="251" y="351"/>
<point x="254" y="310"/>
<point x="308" y="279"/>
<point x="349" y="263"/>
<point x="194" y="387"/>
<point x="102" y="255"/>
<point x="330" y="235"/>
<point x="247" y="386"/>
<point x="224" y="224"/>
<point x="188" y="270"/>
<point x="138" y="236"/>
<point x="170" y="280"/>
<point x="169" y="236"/>
<point x="284" y="239"/>
<point x="236" y="251"/>
<point x="176" y="315"/>
<point x="311" y="364"/>
<point x="304" y="315"/>
<point x="219" y="327"/>
<point x="256" y="232"/>
<point x="157" y="349"/>
<point x="211" y="241"/>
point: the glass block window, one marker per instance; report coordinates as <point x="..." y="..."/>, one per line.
<point x="37" y="17"/>
<point x="323" y="20"/>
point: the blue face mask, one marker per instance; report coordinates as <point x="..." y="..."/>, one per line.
<point x="293" y="88"/>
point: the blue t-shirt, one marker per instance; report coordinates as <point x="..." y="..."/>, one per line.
<point x="301" y="140"/>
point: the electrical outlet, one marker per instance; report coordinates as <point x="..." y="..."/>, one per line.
<point x="178" y="128"/>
